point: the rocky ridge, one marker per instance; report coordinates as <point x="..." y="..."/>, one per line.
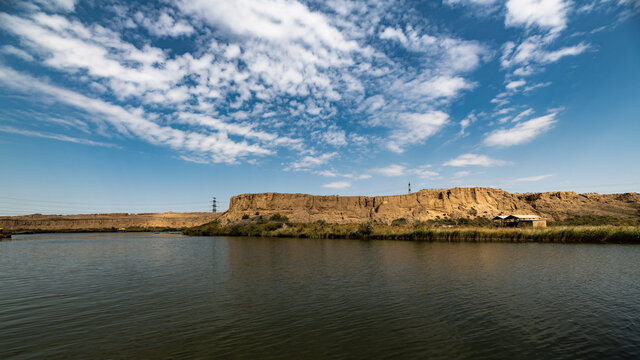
<point x="431" y="204"/>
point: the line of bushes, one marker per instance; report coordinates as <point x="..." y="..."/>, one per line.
<point x="419" y="232"/>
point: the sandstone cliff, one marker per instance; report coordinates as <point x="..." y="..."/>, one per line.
<point x="106" y="221"/>
<point x="431" y="204"/>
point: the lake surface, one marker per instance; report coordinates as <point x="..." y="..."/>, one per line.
<point x="170" y="296"/>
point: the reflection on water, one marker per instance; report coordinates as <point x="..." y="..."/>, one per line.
<point x="156" y="295"/>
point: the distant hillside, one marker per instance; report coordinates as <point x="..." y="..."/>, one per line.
<point x="106" y="221"/>
<point x="432" y="204"/>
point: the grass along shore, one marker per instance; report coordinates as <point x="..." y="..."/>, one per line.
<point x="280" y="227"/>
<point x="93" y="230"/>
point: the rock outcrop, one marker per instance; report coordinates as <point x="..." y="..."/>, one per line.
<point x="430" y="204"/>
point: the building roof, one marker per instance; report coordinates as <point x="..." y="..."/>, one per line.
<point x="500" y="217"/>
<point x="524" y="217"/>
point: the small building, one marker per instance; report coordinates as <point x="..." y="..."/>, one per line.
<point x="521" y="221"/>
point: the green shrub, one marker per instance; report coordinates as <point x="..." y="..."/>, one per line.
<point x="279" y="218"/>
<point x="365" y="228"/>
<point x="245" y="216"/>
<point x="400" y="221"/>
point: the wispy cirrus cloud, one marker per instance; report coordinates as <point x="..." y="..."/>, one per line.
<point x="475" y="160"/>
<point x="533" y="178"/>
<point x="533" y="52"/>
<point x="14" y="51"/>
<point x="273" y="68"/>
<point x="309" y="162"/>
<point x="337" y="185"/>
<point x="52" y="136"/>
<point x="423" y="171"/>
<point x="521" y="133"/>
<point x="415" y="128"/>
<point x="129" y="122"/>
<point x="232" y="81"/>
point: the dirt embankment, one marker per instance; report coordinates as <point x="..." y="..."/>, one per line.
<point x="106" y="221"/>
<point x="431" y="204"/>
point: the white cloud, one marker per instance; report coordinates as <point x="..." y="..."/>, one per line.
<point x="424" y="172"/>
<point x="475" y="160"/>
<point x="70" y="46"/>
<point x="470" y="2"/>
<point x="62" y="5"/>
<point x="358" y="177"/>
<point x="165" y="25"/>
<point x="217" y="146"/>
<point x="513" y="85"/>
<point x="12" y="50"/>
<point x="554" y="56"/>
<point x="309" y="161"/>
<point x="354" y="177"/>
<point x="326" y="173"/>
<point x="536" y="86"/>
<point x="337" y="185"/>
<point x="394" y="34"/>
<point x="217" y="124"/>
<point x="464" y="124"/>
<point x="335" y="136"/>
<point x="263" y="74"/>
<point x="456" y="55"/>
<point x="278" y="21"/>
<point x="532" y="51"/>
<point x="461" y="174"/>
<point x="60" y="137"/>
<point x="522" y="115"/>
<point x="533" y="178"/>
<point x="522" y="132"/>
<point x="547" y="14"/>
<point x="415" y="128"/>
<point x="435" y="88"/>
<point x="392" y="170"/>
<point x="526" y="70"/>
<point x="401" y="170"/>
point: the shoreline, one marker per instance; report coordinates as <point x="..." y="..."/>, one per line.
<point x="92" y="230"/>
<point x="364" y="231"/>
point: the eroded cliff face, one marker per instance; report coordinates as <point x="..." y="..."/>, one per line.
<point x="431" y="204"/>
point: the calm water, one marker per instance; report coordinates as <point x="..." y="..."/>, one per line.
<point x="168" y="296"/>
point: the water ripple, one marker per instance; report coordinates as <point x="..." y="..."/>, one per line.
<point x="169" y="296"/>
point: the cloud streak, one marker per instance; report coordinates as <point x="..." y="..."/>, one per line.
<point x="59" y="137"/>
<point x="521" y="133"/>
<point x="475" y="160"/>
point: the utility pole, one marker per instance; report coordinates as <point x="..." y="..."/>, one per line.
<point x="214" y="205"/>
<point x="409" y="188"/>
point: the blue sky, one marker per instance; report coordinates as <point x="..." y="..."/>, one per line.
<point x="155" y="106"/>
